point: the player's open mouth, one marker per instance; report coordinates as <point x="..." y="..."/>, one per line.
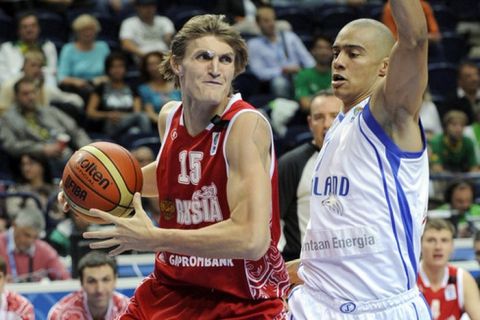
<point x="337" y="80"/>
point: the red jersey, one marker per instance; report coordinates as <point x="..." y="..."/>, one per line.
<point x="447" y="302"/>
<point x="15" y="306"/>
<point x="192" y="175"/>
<point x="74" y="306"/>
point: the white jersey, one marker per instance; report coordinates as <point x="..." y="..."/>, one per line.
<point x="368" y="208"/>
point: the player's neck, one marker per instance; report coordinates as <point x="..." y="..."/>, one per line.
<point x="197" y="116"/>
<point x="435" y="275"/>
<point x="98" y="313"/>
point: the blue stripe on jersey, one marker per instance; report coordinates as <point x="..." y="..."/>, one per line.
<point x="404" y="210"/>
<point x="385" y="188"/>
<point x="415" y="308"/>
<point x="385" y="139"/>
<point x="428" y="306"/>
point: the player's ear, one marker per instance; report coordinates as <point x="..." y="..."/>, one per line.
<point x="383" y="67"/>
<point x="177" y="68"/>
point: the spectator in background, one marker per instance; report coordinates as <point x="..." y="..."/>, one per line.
<point x="14" y="305"/>
<point x="151" y="205"/>
<point x="47" y="94"/>
<point x="309" y="81"/>
<point x="473" y="132"/>
<point x="460" y="201"/>
<point x="155" y="91"/>
<point x="432" y="125"/>
<point x="35" y="177"/>
<point x="82" y="61"/>
<point x="467" y="98"/>
<point x="451" y="150"/>
<point x="41" y="131"/>
<point x="146" y="31"/>
<point x="276" y="56"/>
<point x="295" y="169"/>
<point x="28" y="258"/>
<point x="115" y="103"/>
<point x="97" y="299"/>
<point x="450" y="291"/>
<point x="12" y="52"/>
<point x="432" y="25"/>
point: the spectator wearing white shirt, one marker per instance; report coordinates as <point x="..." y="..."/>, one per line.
<point x="146" y="31"/>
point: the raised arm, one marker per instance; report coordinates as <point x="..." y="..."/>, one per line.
<point x="407" y="71"/>
<point x="245" y="235"/>
<point x="398" y="99"/>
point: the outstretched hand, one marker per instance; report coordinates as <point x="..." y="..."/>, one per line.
<point x="135" y="233"/>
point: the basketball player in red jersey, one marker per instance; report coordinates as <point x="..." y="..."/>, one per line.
<point x="450" y="291"/>
<point x="215" y="177"/>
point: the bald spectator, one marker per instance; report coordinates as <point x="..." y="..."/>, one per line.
<point x="29" y="258"/>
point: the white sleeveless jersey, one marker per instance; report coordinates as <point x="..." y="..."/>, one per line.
<point x="368" y="208"/>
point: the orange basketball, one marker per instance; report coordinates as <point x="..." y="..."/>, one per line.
<point x="101" y="175"/>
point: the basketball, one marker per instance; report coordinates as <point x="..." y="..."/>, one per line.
<point x="101" y="175"/>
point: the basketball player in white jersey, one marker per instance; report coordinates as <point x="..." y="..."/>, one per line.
<point x="360" y="254"/>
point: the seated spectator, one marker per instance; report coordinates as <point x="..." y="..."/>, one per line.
<point x="14" y="305"/>
<point x="155" y="91"/>
<point x="115" y="103"/>
<point x="28" y="128"/>
<point x="35" y="177"/>
<point x="473" y="132"/>
<point x="12" y="53"/>
<point x="151" y="205"/>
<point x="60" y="237"/>
<point x="82" y="62"/>
<point x="310" y="81"/>
<point x="47" y="94"/>
<point x="460" y="201"/>
<point x="295" y="169"/>
<point x="450" y="291"/>
<point x="97" y="299"/>
<point x="275" y="57"/>
<point x="432" y="125"/>
<point x="28" y="258"/>
<point x="146" y="31"/>
<point x="434" y="34"/>
<point x="451" y="150"/>
<point x="467" y="97"/>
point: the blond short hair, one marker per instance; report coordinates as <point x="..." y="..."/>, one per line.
<point x="85" y="20"/>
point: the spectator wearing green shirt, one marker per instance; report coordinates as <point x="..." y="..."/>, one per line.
<point x="464" y="212"/>
<point x="451" y="150"/>
<point x="310" y="81"/>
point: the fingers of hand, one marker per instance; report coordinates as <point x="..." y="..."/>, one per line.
<point x="104" y="244"/>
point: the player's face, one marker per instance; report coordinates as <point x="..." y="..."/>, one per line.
<point x="98" y="284"/>
<point x="437" y="246"/>
<point x="355" y="66"/>
<point x="207" y="70"/>
<point x="323" y="111"/>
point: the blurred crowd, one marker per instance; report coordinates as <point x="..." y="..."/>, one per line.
<point x="75" y="71"/>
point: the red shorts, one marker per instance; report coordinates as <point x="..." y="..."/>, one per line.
<point x="152" y="300"/>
